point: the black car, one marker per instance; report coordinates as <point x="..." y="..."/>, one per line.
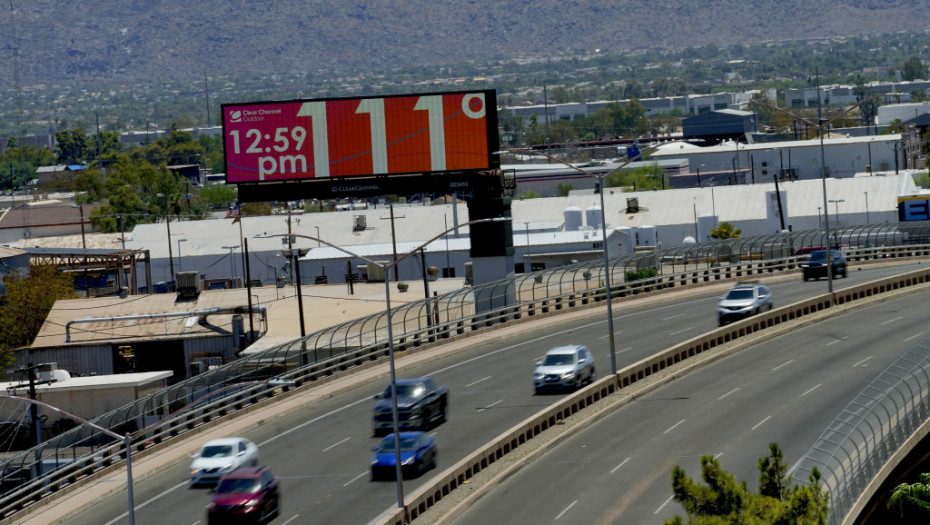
<point x="816" y="265"/>
<point x="420" y="403"/>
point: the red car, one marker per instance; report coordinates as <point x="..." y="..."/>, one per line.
<point x="245" y="495"/>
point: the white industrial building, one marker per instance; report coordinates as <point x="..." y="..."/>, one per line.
<point x="561" y="229"/>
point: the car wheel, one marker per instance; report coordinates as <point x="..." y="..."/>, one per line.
<point x="593" y="376"/>
<point x="277" y="507"/>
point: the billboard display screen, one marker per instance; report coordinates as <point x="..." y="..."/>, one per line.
<point x="321" y="139"/>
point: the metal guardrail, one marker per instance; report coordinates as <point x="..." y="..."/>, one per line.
<point x="73" y="455"/>
<point x="869" y="431"/>
<point x="444" y="483"/>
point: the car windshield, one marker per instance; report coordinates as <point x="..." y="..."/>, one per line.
<point x="406" y="443"/>
<point x="216" y="451"/>
<point x="414" y="390"/>
<point x="558" y="359"/>
<point x="743" y="293"/>
<point x="239" y="485"/>
<point x="818" y="256"/>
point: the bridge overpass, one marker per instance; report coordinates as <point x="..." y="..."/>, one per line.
<point x="511" y="372"/>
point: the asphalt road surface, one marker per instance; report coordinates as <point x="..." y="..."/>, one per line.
<point x="776" y="392"/>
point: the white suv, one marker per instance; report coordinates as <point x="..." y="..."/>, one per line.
<point x="564" y="367"/>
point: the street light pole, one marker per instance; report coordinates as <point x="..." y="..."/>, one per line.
<point x="823" y="180"/>
<point x="386" y="267"/>
<point x="126" y="439"/>
<point x="836" y="209"/>
<point x="601" y="179"/>
<point x="866" y="207"/>
<point x="168" y="226"/>
<point x="83" y="238"/>
<point x="180" y="259"/>
<point x="232" y="264"/>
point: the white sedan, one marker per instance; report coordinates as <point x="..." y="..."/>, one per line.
<point x="221" y="456"/>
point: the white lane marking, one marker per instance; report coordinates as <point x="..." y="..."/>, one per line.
<point x="347" y="483"/>
<point x="673" y="426"/>
<point x="314" y="420"/>
<point x="473" y="383"/>
<point x="487" y="407"/>
<point x="728" y="393"/>
<point x="682" y="331"/>
<point x="783" y="364"/>
<point x="566" y="331"/>
<point x="566" y="509"/>
<point x="627" y="349"/>
<point x="662" y="506"/>
<point x="863" y="361"/>
<point x="673" y="317"/>
<point x="143" y="504"/>
<point x="915" y="336"/>
<point x="334" y="445"/>
<point x="717" y="455"/>
<point x="608" y="335"/>
<point x="892" y="320"/>
<point x="292" y="519"/>
<point x="620" y="465"/>
<point x="840" y="340"/>
<point x="759" y="424"/>
<point x="790" y="471"/>
<point x="811" y="389"/>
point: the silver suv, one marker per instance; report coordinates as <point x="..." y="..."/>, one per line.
<point x="743" y="300"/>
<point x="564" y="367"/>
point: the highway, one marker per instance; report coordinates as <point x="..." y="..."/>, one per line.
<point x="322" y="451"/>
<point x="786" y="390"/>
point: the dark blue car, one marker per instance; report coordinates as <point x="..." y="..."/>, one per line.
<point x="417" y="455"/>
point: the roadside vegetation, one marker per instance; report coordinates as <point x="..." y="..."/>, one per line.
<point x="721" y="500"/>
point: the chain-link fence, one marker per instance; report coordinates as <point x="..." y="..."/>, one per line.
<point x="867" y="433"/>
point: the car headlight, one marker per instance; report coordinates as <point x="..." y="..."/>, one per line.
<point x="211" y="505"/>
<point x="407" y="461"/>
<point x="250" y="503"/>
<point x="568" y="375"/>
<point x="538" y="375"/>
<point x="227" y="467"/>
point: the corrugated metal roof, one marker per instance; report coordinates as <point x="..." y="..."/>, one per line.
<point x="415" y="224"/>
<point x="53" y="330"/>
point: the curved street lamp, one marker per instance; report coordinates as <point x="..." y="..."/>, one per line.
<point x="168" y="225"/>
<point x="600" y="181"/>
<point x="127" y="440"/>
<point x="386" y="266"/>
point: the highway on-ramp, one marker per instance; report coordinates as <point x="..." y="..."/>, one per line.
<point x="321" y="451"/>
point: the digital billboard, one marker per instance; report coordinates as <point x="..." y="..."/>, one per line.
<point x="327" y="139"/>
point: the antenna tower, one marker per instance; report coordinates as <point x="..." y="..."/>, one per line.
<point x="15" y="49"/>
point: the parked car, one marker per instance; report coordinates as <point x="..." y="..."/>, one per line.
<point x="245" y="495"/>
<point x="220" y="457"/>
<point x="420" y="403"/>
<point x="744" y="300"/>
<point x="816" y="265"/>
<point x="417" y="455"/>
<point x="564" y="367"/>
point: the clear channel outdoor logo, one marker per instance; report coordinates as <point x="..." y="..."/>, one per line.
<point x="235" y="116"/>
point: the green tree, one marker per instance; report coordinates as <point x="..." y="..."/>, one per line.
<point x="71" y="146"/>
<point x="28" y="301"/>
<point x="564" y="189"/>
<point x="913" y="69"/>
<point x="643" y="178"/>
<point x="912" y="499"/>
<point x="725" y="231"/>
<point x="722" y="500"/>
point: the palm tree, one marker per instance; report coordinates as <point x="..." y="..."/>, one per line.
<point x="725" y="231"/>
<point x="916" y="496"/>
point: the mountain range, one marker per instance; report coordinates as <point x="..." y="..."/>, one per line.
<point x="64" y="41"/>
